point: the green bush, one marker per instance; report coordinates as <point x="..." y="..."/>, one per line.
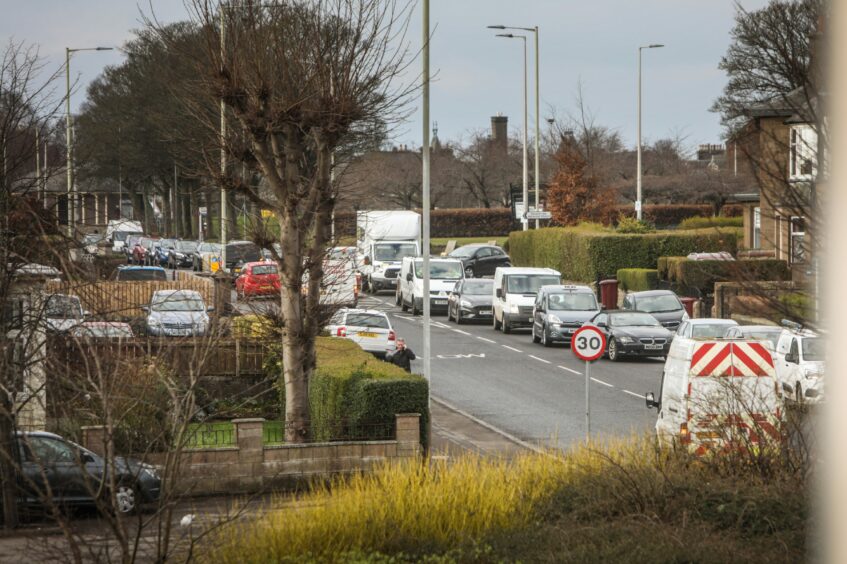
<point x="702" y="274"/>
<point x="588" y="255"/>
<point x="668" y="267"/>
<point x="638" y="279"/>
<point x="703" y="222"/>
<point x="631" y="225"/>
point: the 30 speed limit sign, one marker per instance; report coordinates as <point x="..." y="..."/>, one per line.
<point x="588" y="343"/>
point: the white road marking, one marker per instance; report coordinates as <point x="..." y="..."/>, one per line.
<point x="511" y="348"/>
<point x="639" y="396"/>
<point x="469" y="355"/>
<point x="439" y="324"/>
<point x="570" y="369"/>
<point x="460" y="331"/>
<point x="491" y="427"/>
<point x="487" y="340"/>
<point x="602" y="382"/>
<point x="540" y="359"/>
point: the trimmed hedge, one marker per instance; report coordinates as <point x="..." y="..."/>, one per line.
<point x="703" y="222"/>
<point x="667" y="267"/>
<point x="702" y="274"/>
<point x="587" y="255"/>
<point x="638" y="279"/>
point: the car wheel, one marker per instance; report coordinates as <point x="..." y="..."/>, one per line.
<point x="126" y="499"/>
<point x="614" y="354"/>
<point x="403" y="304"/>
<point x="415" y="310"/>
<point x="798" y="394"/>
<point x="495" y="322"/>
<point x="397" y="297"/>
<point x="459" y="317"/>
<point x="469" y="272"/>
<point x="507" y="327"/>
<point x="535" y="338"/>
<point x="544" y="339"/>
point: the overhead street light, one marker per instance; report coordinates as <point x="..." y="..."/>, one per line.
<point x="638" y="203"/>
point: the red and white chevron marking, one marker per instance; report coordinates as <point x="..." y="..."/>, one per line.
<point x="731" y="359"/>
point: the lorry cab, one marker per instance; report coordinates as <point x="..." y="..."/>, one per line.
<point x="515" y="290"/>
<point x="443" y="275"/>
<point x="384" y="239"/>
<point x="717" y="395"/>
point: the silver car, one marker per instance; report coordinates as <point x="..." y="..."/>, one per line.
<point x="369" y="329"/>
<point x="177" y="313"/>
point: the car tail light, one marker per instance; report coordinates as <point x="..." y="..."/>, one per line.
<point x="341" y="332"/>
<point x="684" y="434"/>
<point x="392" y="336"/>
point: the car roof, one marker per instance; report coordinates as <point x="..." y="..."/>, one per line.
<point x="174" y="292"/>
<point x="712" y="321"/>
<point x="477" y="246"/>
<point x="648" y="293"/>
<point x="103" y="324"/>
<point x="39" y="434"/>
<point x="260" y="263"/>
<point x="562" y="288"/>
<point x="526" y="270"/>
<point x="357" y="310"/>
<point x="127" y="267"/>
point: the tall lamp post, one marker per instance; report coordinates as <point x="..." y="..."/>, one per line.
<point x="425" y="203"/>
<point x="524" y="220"/>
<point x="638" y="133"/>
<point x="69" y="136"/>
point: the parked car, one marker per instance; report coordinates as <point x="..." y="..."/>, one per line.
<point x="560" y="310"/>
<point x="800" y="366"/>
<point x="201" y="258"/>
<point x="769" y="333"/>
<point x="470" y="300"/>
<point x="705" y="328"/>
<point x="63" y="312"/>
<point x="149" y="245"/>
<point x="481" y="260"/>
<point x="632" y="333"/>
<point x="370" y="329"/>
<point x="102" y="330"/>
<point x="177" y="313"/>
<point x="258" y="279"/>
<point x="515" y="290"/>
<point x="161" y="251"/>
<point x="181" y="254"/>
<point x="76" y="476"/>
<point x="239" y="253"/>
<point x="92" y="242"/>
<point x="664" y="305"/>
<point x="135" y="273"/>
<point x="443" y="275"/>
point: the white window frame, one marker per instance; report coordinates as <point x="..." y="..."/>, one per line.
<point x="800" y="237"/>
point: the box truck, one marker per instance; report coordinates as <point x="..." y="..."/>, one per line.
<point x="384" y="239"/>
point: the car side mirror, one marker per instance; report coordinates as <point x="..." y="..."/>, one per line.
<point x="498" y="292"/>
<point x="408" y="276"/>
<point x="792" y="358"/>
<point x="602" y="324"/>
<point x="366" y="260"/>
<point x="86" y="313"/>
<point x="86" y="458"/>
<point x="650" y="399"/>
<point x="210" y="308"/>
<point x="602" y="306"/>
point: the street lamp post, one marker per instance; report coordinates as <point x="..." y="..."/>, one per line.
<point x="638" y="205"/>
<point x="524" y="220"/>
<point x="425" y="204"/>
<point x="69" y="136"/>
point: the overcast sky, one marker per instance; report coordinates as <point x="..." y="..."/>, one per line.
<point x="592" y="42"/>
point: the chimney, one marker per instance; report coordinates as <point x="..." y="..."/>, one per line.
<point x="500" y="132"/>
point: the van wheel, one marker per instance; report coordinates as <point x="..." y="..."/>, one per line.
<point x="415" y="310"/>
<point x="614" y="355"/>
<point x="798" y="395"/>
<point x="403" y="305"/>
<point x="507" y="327"/>
<point x="496" y="323"/>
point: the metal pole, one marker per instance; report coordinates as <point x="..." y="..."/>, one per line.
<point x="37" y="164"/>
<point x="425" y="204"/>
<point x="174" y="204"/>
<point x="537" y="126"/>
<point x="224" y="212"/>
<point x="638" y="141"/>
<point x="525" y="154"/>
<point x="587" y="401"/>
<point x="68" y="140"/>
<point x="43" y="179"/>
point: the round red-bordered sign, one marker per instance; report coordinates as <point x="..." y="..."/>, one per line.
<point x="588" y="343"/>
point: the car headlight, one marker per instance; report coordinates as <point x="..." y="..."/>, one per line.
<point x="466" y="303"/>
<point x="813" y="375"/>
<point x="554" y="319"/>
<point x="626" y="340"/>
<point x="179" y="255"/>
<point x="513" y="308"/>
<point x="154" y="322"/>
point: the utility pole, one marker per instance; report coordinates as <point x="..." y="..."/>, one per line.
<point x="425" y="204"/>
<point x="638" y="201"/>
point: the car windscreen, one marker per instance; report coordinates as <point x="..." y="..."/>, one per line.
<point x="177" y="302"/>
<point x="122" y="235"/>
<point x="265" y="269"/>
<point x="133" y="274"/>
<point x="772" y="336"/>
<point x="342" y="253"/>
<point x="242" y="253"/>
<point x="440" y="270"/>
<point x="391" y="252"/>
<point x="708" y="331"/>
<point x="166" y="243"/>
<point x="658" y="304"/>
<point x="633" y="320"/>
<point x="529" y="283"/>
<point x="186" y="246"/>
<point x="367" y="320"/>
<point x="63" y="307"/>
<point x="478" y="287"/>
<point x="813" y="349"/>
<point x="463" y="252"/>
<point x="103" y="331"/>
<point x="572" y="301"/>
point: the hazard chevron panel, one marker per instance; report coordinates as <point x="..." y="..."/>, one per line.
<point x="731" y="359"/>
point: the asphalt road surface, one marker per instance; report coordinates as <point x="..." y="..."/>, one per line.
<point x="534" y="393"/>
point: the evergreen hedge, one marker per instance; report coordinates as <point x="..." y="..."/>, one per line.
<point x="638" y="279"/>
<point x="702" y="274"/>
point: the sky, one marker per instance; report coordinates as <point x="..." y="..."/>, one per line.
<point x="477" y="75"/>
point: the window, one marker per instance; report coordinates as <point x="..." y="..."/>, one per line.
<point x="47" y="450"/>
<point x="757" y="228"/>
<point x="798" y="235"/>
<point x="368" y="320"/>
<point x="803" y="143"/>
<point x="483" y="252"/>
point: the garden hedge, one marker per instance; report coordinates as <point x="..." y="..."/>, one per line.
<point x="588" y="253"/>
<point x="638" y="279"/>
<point x="703" y="222"/>
<point x="702" y="274"/>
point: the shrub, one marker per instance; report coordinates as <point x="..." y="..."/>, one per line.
<point x="671" y="215"/>
<point x="638" y="279"/>
<point x="702" y="222"/>
<point x="666" y="267"/>
<point x="702" y="274"/>
<point x="631" y="225"/>
<point x="588" y="255"/>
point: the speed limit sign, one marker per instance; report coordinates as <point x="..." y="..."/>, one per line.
<point x="588" y="343"/>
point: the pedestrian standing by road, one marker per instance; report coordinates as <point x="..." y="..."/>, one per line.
<point x="402" y="356"/>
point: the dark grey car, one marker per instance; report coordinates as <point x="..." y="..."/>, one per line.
<point x="632" y="333"/>
<point x="559" y="311"/>
<point x="664" y="305"/>
<point x="470" y="300"/>
<point x="481" y="260"/>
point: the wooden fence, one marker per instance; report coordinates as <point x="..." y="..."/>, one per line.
<point x="123" y="299"/>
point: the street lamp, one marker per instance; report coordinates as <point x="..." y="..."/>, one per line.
<point x="524" y="220"/>
<point x="638" y="133"/>
<point x="537" y="111"/>
<point x="69" y="135"/>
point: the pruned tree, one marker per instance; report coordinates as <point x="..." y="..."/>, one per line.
<point x="574" y="194"/>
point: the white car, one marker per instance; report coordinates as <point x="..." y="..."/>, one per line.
<point x="63" y="312"/>
<point x="799" y="360"/>
<point x="705" y="328"/>
<point x="370" y="329"/>
<point x="177" y="313"/>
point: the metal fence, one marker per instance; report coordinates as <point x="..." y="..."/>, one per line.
<point x="221" y="434"/>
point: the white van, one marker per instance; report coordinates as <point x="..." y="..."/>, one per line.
<point x="799" y="361"/>
<point x="117" y="230"/>
<point x="443" y="275"/>
<point x="340" y="286"/>
<point x="718" y="394"/>
<point x="515" y="289"/>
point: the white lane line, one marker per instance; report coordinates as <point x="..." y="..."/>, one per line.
<point x="439" y="324"/>
<point x="487" y="340"/>
<point x="639" y="396"/>
<point x="511" y="348"/>
<point x="540" y="359"/>
<point x="570" y="369"/>
<point x="460" y="331"/>
<point x="602" y="382"/>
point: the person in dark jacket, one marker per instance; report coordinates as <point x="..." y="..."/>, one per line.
<point x="402" y="357"/>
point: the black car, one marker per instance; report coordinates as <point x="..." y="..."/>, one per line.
<point x="181" y="255"/>
<point x="664" y="305"/>
<point x="239" y="253"/>
<point x="632" y="333"/>
<point x="470" y="300"/>
<point x="481" y="260"/>
<point x="76" y="475"/>
<point x="560" y="310"/>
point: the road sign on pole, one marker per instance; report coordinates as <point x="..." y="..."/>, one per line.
<point x="533" y="214"/>
<point x="588" y="343"/>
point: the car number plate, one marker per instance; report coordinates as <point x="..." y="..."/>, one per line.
<point x="653" y="347"/>
<point x="439" y="302"/>
<point x="485" y="312"/>
<point x="367" y="334"/>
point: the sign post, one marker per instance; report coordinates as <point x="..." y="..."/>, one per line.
<point x="588" y="344"/>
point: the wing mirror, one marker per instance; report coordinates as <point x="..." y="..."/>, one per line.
<point x="210" y="308"/>
<point x="498" y="292"/>
<point x="366" y="260"/>
<point x="650" y="399"/>
<point x="792" y="358"/>
<point x="602" y="324"/>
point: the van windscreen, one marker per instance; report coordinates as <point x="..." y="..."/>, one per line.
<point x="529" y="283"/>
